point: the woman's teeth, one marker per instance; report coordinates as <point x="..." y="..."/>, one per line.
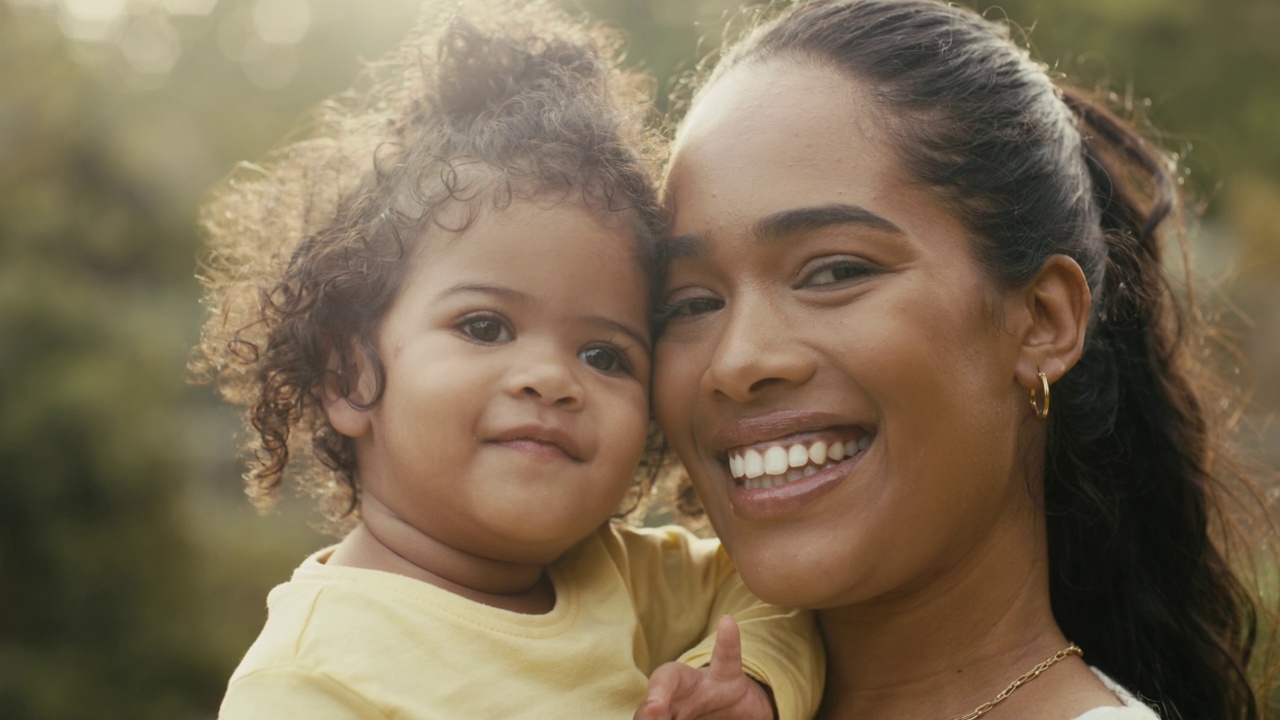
<point x="781" y="464"/>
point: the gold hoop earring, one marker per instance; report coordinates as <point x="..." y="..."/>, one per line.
<point x="1042" y="412"/>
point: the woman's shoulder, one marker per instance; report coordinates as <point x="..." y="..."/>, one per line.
<point x="1131" y="708"/>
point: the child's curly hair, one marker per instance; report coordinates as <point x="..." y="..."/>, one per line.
<point x="307" y="250"/>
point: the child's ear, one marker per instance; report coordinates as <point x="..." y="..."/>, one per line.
<point x="345" y="416"/>
<point x="1057" y="304"/>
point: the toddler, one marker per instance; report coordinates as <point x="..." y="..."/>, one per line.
<point x="436" y="309"/>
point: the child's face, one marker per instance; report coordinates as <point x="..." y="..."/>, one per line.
<point x="517" y="366"/>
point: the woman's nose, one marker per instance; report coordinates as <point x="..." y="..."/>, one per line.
<point x="758" y="349"/>
<point x="548" y="377"/>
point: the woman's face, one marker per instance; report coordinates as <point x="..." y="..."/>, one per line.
<point x="834" y="374"/>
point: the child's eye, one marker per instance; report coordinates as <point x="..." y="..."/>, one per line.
<point x="605" y="359"/>
<point x="486" y="329"/>
<point x="837" y="272"/>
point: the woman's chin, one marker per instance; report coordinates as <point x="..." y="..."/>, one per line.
<point x="790" y="579"/>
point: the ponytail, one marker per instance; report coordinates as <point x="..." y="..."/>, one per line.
<point x="1137" y="579"/>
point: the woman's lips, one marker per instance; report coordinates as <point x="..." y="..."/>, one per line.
<point x="770" y="497"/>
<point x="778" y="426"/>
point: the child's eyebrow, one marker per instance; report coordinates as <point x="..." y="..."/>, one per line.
<point x="520" y="298"/>
<point x="503" y="293"/>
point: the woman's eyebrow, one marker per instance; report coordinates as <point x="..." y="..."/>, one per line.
<point x="789" y="222"/>
<point x="782" y="224"/>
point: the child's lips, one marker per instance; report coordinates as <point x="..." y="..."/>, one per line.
<point x="536" y="439"/>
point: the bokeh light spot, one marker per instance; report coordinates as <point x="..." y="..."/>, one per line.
<point x="91" y="20"/>
<point x="282" y="22"/>
<point x="151" y="45"/>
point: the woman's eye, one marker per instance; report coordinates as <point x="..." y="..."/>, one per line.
<point x="689" y="307"/>
<point x="699" y="306"/>
<point x="486" y="330"/>
<point x="836" y="272"/>
<point x="604" y="359"/>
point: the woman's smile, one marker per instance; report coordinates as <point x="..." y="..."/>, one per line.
<point x="777" y="463"/>
<point x="775" y="495"/>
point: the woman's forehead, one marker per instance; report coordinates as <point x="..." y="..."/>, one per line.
<point x="774" y="135"/>
<point x="777" y="95"/>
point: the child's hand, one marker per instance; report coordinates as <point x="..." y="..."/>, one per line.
<point x="719" y="692"/>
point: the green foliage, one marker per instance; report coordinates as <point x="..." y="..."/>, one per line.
<point x="101" y="606"/>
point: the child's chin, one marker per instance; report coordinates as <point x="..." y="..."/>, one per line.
<point x="540" y="549"/>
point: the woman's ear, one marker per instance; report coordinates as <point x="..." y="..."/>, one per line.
<point x="1058" y="301"/>
<point x="343" y="414"/>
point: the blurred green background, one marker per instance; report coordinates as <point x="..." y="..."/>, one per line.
<point x="133" y="572"/>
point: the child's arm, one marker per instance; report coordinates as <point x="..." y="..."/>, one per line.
<point x="720" y="691"/>
<point x="682" y="585"/>
<point x="292" y="693"/>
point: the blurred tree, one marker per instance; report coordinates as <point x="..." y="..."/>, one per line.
<point x="95" y="596"/>
<point x="113" y="581"/>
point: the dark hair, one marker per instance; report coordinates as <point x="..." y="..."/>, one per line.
<point x="307" y="251"/>
<point x="1134" y="477"/>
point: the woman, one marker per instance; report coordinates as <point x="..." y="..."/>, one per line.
<point x="891" y="230"/>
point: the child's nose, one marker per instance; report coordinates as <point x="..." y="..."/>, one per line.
<point x="548" y="379"/>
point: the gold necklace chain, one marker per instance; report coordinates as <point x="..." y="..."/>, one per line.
<point x="1032" y="674"/>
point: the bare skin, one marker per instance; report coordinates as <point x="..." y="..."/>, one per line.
<point x="720" y="691"/>
<point x="516" y="587"/>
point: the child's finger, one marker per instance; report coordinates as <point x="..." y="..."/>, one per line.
<point x="726" y="656"/>
<point x="664" y="684"/>
<point x="651" y="710"/>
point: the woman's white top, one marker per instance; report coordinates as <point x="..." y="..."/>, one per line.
<point x="1132" y="709"/>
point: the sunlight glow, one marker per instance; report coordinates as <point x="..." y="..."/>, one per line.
<point x="190" y="7"/>
<point x="91" y="20"/>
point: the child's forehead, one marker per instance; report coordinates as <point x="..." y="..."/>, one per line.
<point x="513" y="218"/>
<point x="540" y="262"/>
<point x="471" y="191"/>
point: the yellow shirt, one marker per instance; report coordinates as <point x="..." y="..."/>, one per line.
<point x="342" y="642"/>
